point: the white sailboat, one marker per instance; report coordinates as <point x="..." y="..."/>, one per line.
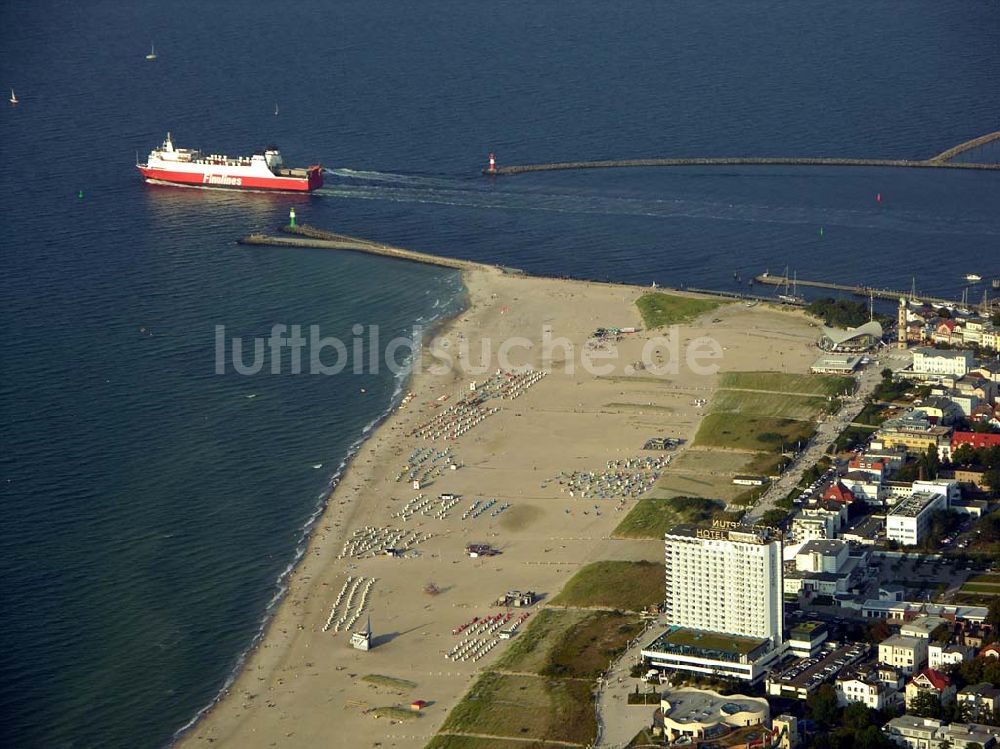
<point x="275" y="110"/>
<point x="152" y="52"/>
<point x="793" y="297"/>
<point x="13" y="97"/>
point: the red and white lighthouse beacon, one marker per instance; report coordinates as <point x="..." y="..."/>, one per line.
<point x="492" y="166"/>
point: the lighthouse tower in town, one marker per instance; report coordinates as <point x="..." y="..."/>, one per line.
<point x="901" y="324"/>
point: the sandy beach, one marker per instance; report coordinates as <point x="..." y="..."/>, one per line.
<point x="303" y="685"/>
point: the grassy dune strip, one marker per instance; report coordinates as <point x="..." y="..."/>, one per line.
<point x="390" y="682"/>
<point x="781" y="405"/>
<point x="659" y="310"/>
<point x="526" y="706"/>
<point x="629" y="586"/>
<point x="653" y="516"/>
<point x="750" y="432"/>
<point x="782" y="382"/>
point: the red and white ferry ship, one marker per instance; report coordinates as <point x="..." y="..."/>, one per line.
<point x="262" y="171"/>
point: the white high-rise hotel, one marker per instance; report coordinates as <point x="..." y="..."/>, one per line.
<point x="725" y="580"/>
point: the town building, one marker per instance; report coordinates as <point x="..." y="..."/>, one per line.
<point x="971" y="478"/>
<point x="929" y="682"/>
<point x="908" y="654"/>
<point x="819" y="520"/>
<point x="863" y="485"/>
<point x="822" y="567"/>
<point x="941" y="656"/>
<point x="907" y="522"/>
<point x="868" y="531"/>
<point x="932" y="362"/>
<point x="914" y="434"/>
<point x="912" y="732"/>
<point x="990" y="651"/>
<point x="786" y="729"/>
<point x="837" y="492"/>
<point x="975" y="440"/>
<point x="864" y="685"/>
<point x="979" y="701"/>
<point x="904" y="611"/>
<point x="923" y="626"/>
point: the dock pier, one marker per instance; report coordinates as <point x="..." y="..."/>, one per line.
<point x="857" y="290"/>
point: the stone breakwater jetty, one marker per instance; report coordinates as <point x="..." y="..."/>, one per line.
<point x="311" y="237"/>
<point x="943" y="160"/>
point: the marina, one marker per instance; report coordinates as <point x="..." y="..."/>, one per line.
<point x="856" y="289"/>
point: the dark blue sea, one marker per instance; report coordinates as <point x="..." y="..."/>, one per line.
<point x="151" y="508"/>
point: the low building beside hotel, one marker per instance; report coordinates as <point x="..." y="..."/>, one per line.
<point x="822" y="567"/>
<point x="704" y="714"/>
<point x="711" y="654"/>
<point x="806" y="639"/>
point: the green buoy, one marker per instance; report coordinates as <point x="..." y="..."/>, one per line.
<point x="291" y="216"/>
<point x="79" y="194"/>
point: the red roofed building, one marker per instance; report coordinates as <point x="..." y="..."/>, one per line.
<point x="930" y="682"/>
<point x="837" y="492"/>
<point x="874" y="467"/>
<point x="944" y="331"/>
<point x="990" y="651"/>
<point x="975" y="440"/>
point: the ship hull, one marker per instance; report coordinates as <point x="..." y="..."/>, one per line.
<point x="312" y="180"/>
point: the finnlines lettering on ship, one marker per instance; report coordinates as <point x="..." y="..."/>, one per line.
<point x="263" y="170"/>
<point x="221" y="179"/>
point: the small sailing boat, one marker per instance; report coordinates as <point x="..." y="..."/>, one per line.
<point x="276" y="110"/>
<point x="152" y="52"/>
<point x="13" y="97"/>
